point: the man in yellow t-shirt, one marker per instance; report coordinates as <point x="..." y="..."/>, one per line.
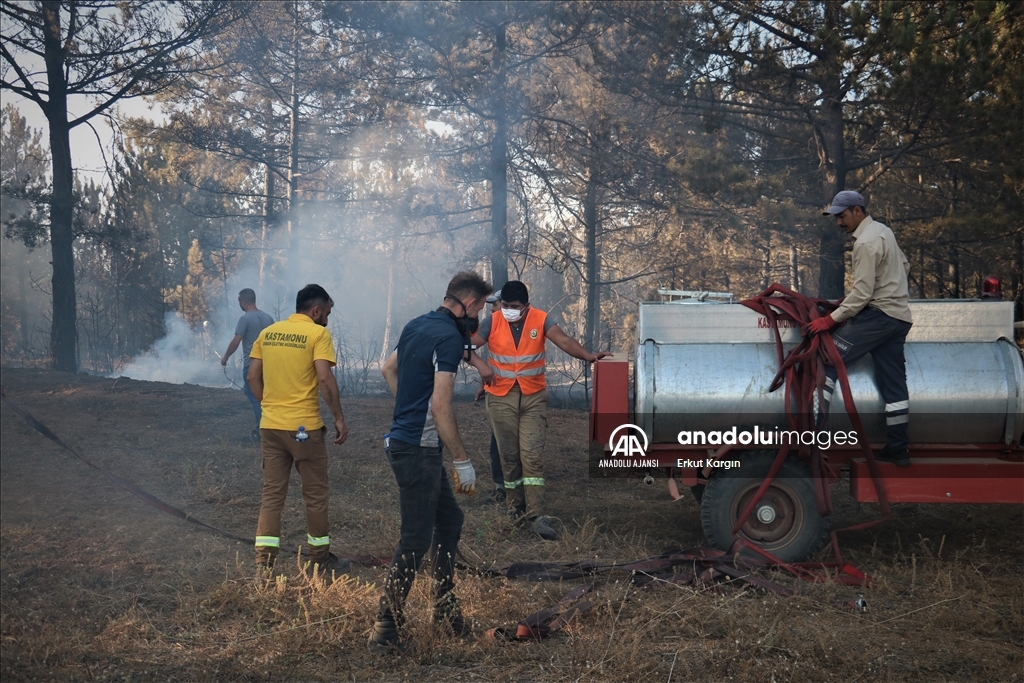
<point x="291" y="360"/>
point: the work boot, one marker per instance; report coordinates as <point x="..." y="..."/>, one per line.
<point x="264" y="570"/>
<point x="517" y="516"/>
<point x="899" y="456"/>
<point x="385" y="636"/>
<point x="266" y="562"/>
<point x="330" y="569"/>
<point x="447" y="615"/>
<point x="542" y="527"/>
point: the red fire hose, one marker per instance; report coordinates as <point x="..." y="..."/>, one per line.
<point x="802" y="376"/>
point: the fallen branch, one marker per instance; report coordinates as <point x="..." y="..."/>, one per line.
<point x="879" y="623"/>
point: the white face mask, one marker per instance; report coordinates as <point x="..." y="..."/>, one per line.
<point x="511" y="314"/>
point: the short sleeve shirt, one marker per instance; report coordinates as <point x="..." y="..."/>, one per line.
<point x="430" y="343"/>
<point x="249" y="327"/>
<point x="517" y="330"/>
<point x="291" y="387"/>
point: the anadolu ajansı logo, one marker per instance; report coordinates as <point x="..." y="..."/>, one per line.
<point x="627" y="444"/>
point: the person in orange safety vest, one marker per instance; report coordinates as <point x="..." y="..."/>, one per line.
<point x="517" y="399"/>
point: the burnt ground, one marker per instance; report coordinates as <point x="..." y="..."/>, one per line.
<point x="98" y="586"/>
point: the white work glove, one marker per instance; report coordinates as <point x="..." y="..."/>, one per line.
<point x="465" y="476"/>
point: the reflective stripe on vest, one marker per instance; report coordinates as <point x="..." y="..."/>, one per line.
<point x="317" y="541"/>
<point x="511" y="364"/>
<point x="268" y="542"/>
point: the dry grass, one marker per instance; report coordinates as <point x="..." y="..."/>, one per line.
<point x="98" y="586"/>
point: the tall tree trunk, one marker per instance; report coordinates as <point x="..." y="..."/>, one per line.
<point x="794" y="269"/>
<point x="766" y="263"/>
<point x="268" y="219"/>
<point x="831" y="156"/>
<point x="920" y="272"/>
<point x="954" y="272"/>
<point x="593" y="266"/>
<point x="499" y="168"/>
<point x="293" y="136"/>
<point x="23" y="304"/>
<point x="63" y="333"/>
<point x="1017" y="280"/>
<point x="385" y="348"/>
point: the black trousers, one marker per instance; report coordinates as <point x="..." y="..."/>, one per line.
<point x="872" y="331"/>
<point x="431" y="523"/>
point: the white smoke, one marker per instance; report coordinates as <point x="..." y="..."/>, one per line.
<point x="184" y="356"/>
<point x="358" y="286"/>
<point x="350" y="255"/>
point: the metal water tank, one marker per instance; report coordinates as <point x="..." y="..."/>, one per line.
<point x="706" y="366"/>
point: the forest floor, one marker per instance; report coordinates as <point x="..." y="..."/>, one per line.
<point x="98" y="586"/>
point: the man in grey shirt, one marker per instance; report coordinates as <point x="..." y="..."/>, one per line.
<point x="877" y="318"/>
<point x="247" y="330"/>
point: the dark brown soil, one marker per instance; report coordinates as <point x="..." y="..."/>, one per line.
<point x="99" y="586"/>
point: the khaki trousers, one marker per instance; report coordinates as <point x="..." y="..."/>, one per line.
<point x="280" y="452"/>
<point x="520" y="424"/>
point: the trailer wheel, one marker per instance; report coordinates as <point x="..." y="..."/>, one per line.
<point x="786" y="522"/>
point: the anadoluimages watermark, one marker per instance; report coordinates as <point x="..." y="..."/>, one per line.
<point x="822" y="438"/>
<point x="628" y="444"/>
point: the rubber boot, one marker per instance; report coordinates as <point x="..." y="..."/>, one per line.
<point x="899" y="456"/>
<point x="542" y="527"/>
<point x="385" y="635"/>
<point x="447" y="615"/>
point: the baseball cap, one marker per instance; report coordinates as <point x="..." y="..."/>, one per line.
<point x="494" y="298"/>
<point x="843" y="201"/>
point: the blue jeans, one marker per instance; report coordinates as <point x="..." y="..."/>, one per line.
<point x="256" y="409"/>
<point x="872" y="331"/>
<point x="431" y="522"/>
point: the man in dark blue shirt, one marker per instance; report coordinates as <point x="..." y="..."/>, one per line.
<point x="421" y="375"/>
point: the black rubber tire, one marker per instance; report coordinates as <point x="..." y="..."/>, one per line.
<point x="797" y="531"/>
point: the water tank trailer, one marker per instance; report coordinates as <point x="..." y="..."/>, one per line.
<point x="700" y="377"/>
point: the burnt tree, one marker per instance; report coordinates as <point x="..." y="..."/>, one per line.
<point x="103" y="52"/>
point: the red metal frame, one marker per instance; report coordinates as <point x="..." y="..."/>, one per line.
<point x="609" y="406"/>
<point x="942" y="480"/>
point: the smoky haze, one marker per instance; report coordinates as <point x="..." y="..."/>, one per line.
<point x="596" y="151"/>
<point x="354" y="273"/>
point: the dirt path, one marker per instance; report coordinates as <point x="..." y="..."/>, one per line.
<point x="96" y="585"/>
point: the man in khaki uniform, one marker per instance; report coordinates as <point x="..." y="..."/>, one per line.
<point x="291" y="361"/>
<point x="517" y="399"/>
<point x="877" y="318"/>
